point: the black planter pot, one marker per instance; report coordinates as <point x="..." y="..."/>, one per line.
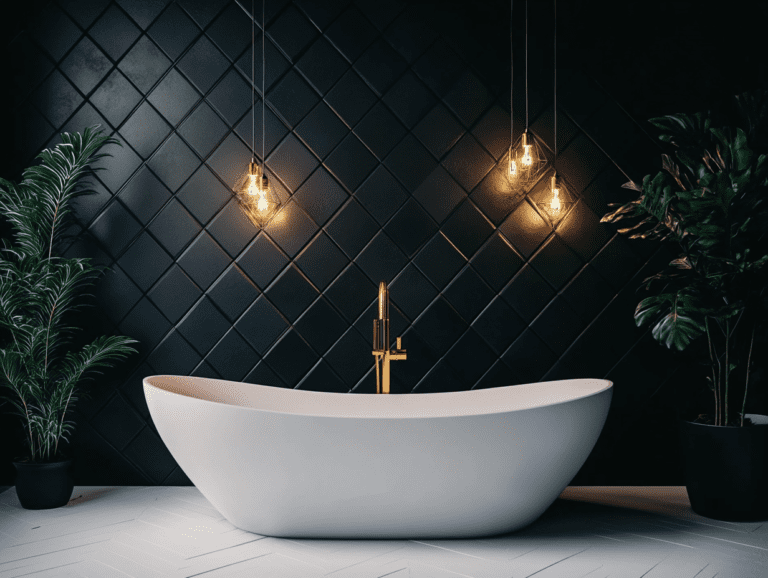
<point x="726" y="469"/>
<point x="43" y="486"/>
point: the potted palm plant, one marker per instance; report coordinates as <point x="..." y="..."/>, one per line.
<point x="40" y="370"/>
<point x="711" y="204"/>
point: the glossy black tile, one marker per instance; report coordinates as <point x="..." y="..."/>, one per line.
<point x="321" y="325"/>
<point x="114" y="32"/>
<point x="262" y="260"/>
<point x="143" y="12"/>
<point x="468" y="294"/>
<point x="115" y="98"/>
<point x="173" y="96"/>
<point x="292" y="97"/>
<point x="145" y="129"/>
<point x="556" y="262"/>
<point x="292" y="32"/>
<point x="231" y="97"/>
<point x="439" y="261"/>
<point x="321" y="130"/>
<point x="203" y="129"/>
<point x="380" y="130"/>
<point x="410" y="99"/>
<point x="352" y="292"/>
<point x="467" y="228"/>
<point x="470" y="358"/>
<point x="380" y="66"/>
<point x="497" y="262"/>
<point x="350" y="98"/>
<point x="410" y="162"/>
<point x="174" y="294"/>
<point x="174" y="227"/>
<point x="440" y="326"/>
<point x="233" y="293"/>
<point x="321" y="261"/>
<point x="528" y="293"/>
<point x="57" y="98"/>
<point x="173" y="356"/>
<point x="352" y="228"/>
<point x="322" y="65"/>
<point x="381" y="259"/>
<point x="231" y="31"/>
<point x="291" y="239"/>
<point x="498" y="325"/>
<point x="291" y="358"/>
<point x="115" y="228"/>
<point x="350" y="162"/>
<point x="351" y="33"/>
<point x="144" y="64"/>
<point x="438" y="130"/>
<point x="291" y="293"/>
<point x="322" y="378"/>
<point x="350" y="357"/>
<point x="144" y="261"/>
<point x="203" y="326"/>
<point x="412" y="292"/>
<point x="232" y="357"/>
<point x="261" y="325"/>
<point x="411" y="227"/>
<point x="203" y="195"/>
<point x="204" y="260"/>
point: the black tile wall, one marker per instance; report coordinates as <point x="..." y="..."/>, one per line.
<point x="386" y="131"/>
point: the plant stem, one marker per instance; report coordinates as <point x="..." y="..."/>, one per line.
<point x="714" y="375"/>
<point x="746" y="383"/>
<point x="727" y="364"/>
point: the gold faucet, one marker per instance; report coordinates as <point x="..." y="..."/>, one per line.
<point x="381" y="351"/>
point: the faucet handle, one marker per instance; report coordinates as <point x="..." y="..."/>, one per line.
<point x="399" y="353"/>
<point x="376" y="335"/>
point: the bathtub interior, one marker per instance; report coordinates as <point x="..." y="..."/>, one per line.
<point x="415" y="405"/>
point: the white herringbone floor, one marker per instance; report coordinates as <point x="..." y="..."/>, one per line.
<point x="590" y="532"/>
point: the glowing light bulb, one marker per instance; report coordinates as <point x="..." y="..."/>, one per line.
<point x="527" y="159"/>
<point x="512" y="168"/>
<point x="554" y="204"/>
<point x="262" y="205"/>
<point x="253" y="186"/>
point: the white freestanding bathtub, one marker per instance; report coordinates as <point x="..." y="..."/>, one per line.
<point x="292" y="463"/>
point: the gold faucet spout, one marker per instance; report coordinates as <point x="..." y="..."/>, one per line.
<point x="382" y="352"/>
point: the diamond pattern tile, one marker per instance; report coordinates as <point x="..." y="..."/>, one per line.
<point x="173" y="31"/>
<point x="386" y="127"/>
<point x="86" y="65"/>
<point x="57" y="98"/>
<point x="144" y="64"/>
<point x="114" y="32"/>
<point x="115" y="97"/>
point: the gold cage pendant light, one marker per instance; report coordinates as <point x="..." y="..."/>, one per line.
<point x="525" y="159"/>
<point x="257" y="199"/>
<point x="558" y="201"/>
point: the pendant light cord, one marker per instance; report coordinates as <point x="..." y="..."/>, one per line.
<point x="511" y="78"/>
<point x="253" y="86"/>
<point x="555" y="87"/>
<point x="263" y="92"/>
<point x="526" y="65"/>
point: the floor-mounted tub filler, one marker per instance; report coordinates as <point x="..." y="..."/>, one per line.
<point x="291" y="463"/>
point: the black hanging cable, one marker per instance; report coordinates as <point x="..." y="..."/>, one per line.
<point x="555" y="87"/>
<point x="263" y="92"/>
<point x="511" y="80"/>
<point x="253" y="86"/>
<point x="526" y="65"/>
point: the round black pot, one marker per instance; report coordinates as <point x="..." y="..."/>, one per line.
<point x="43" y="486"/>
<point x="726" y="469"/>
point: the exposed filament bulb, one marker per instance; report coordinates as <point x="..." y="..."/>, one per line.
<point x="512" y="168"/>
<point x="527" y="159"/>
<point x="262" y="204"/>
<point x="554" y="204"/>
<point x="253" y="187"/>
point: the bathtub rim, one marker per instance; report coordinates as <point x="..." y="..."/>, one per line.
<point x="607" y="385"/>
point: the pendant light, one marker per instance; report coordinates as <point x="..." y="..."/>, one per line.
<point x="558" y="201"/>
<point x="256" y="198"/>
<point x="526" y="160"/>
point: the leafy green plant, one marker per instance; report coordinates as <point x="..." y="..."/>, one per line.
<point x="40" y="291"/>
<point x="712" y="205"/>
